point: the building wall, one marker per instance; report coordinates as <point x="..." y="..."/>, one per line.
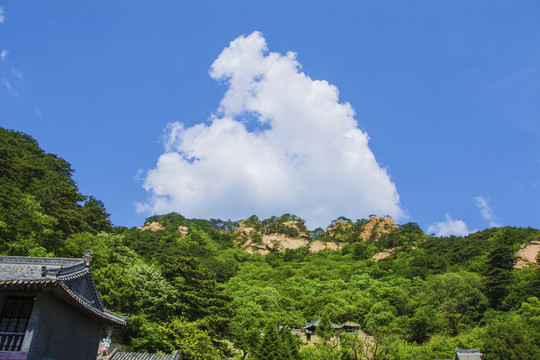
<point x="19" y="355"/>
<point x="59" y="332"/>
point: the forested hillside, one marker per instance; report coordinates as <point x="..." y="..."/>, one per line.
<point x="192" y="284"/>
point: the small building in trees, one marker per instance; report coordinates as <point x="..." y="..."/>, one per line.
<point x="462" y="354"/>
<point x="348" y="327"/>
<point x="50" y="309"/>
<point x="119" y="355"/>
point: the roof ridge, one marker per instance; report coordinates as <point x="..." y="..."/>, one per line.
<point x="40" y="260"/>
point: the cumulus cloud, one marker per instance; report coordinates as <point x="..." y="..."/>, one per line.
<point x="280" y="142"/>
<point x="2" y="16"/>
<point x="7" y="84"/>
<point x="486" y="211"/>
<point x="450" y="227"/>
<point x="4" y="54"/>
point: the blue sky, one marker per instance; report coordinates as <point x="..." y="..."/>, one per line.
<point x="427" y="111"/>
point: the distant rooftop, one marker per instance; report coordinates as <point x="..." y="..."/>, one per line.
<point x="468" y="354"/>
<point x="118" y="355"/>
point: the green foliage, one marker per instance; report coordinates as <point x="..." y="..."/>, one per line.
<point x="191" y="339"/>
<point x="325" y="330"/>
<point x="202" y="294"/>
<point x="319" y="352"/>
<point x="198" y="297"/>
<point x="39" y="201"/>
<point x="117" y="288"/>
<point x="509" y="340"/>
<point x="498" y="272"/>
<point x="290" y="344"/>
<point x="278" y="225"/>
<point x="271" y="346"/>
<point x="450" y="302"/>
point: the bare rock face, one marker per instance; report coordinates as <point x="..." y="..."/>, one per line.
<point x="382" y="255"/>
<point x="319" y="245"/>
<point x="153" y="226"/>
<point x="243" y="229"/>
<point x="275" y="241"/>
<point x="338" y="225"/>
<point x="263" y="243"/>
<point x="299" y="226"/>
<point x="183" y="231"/>
<point x="379" y="226"/>
<point x="528" y="254"/>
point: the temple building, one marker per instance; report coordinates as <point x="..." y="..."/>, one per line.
<point x="349" y="327"/>
<point x="50" y="309"/>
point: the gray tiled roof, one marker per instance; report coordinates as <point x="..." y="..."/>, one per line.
<point x="56" y="274"/>
<point x="349" y="324"/>
<point x="468" y="354"/>
<point x="335" y="326"/>
<point x="118" y="355"/>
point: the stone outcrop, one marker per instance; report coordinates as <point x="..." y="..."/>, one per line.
<point x="528" y="254"/>
<point x="254" y="241"/>
<point x="243" y="229"/>
<point x="375" y="226"/>
<point x="319" y="245"/>
<point x="338" y="226"/>
<point x="276" y="241"/>
<point x="153" y="226"/>
<point x="183" y="231"/>
<point x="265" y="240"/>
<point x="298" y="226"/>
<point x="378" y="226"/>
<point x="383" y="255"/>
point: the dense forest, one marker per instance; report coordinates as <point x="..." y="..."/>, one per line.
<point x="191" y="284"/>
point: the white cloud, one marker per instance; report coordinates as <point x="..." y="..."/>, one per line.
<point x="4" y="54"/>
<point x="450" y="227"/>
<point x="280" y="143"/>
<point x="17" y="74"/>
<point x="486" y="211"/>
<point x="2" y="16"/>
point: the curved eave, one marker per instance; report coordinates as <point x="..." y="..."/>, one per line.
<point x="82" y="305"/>
<point x="61" y="290"/>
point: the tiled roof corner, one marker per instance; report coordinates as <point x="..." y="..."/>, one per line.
<point x="474" y="354"/>
<point x="18" y="272"/>
<point x="119" y="355"/>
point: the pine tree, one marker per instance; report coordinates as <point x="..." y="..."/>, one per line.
<point x="325" y="330"/>
<point x="271" y="348"/>
<point x="498" y="275"/>
<point x="290" y="344"/>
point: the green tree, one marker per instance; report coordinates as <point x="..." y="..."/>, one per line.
<point x="32" y="234"/>
<point x="455" y="300"/>
<point x="508" y="340"/>
<point x="155" y="294"/>
<point x="360" y="251"/>
<point x="290" y="344"/>
<point x="39" y="200"/>
<point x="246" y="325"/>
<point x="96" y="216"/>
<point x="351" y="347"/>
<point x="198" y="295"/>
<point x="498" y="274"/>
<point x="190" y="338"/>
<point x="271" y="347"/>
<point x="118" y="289"/>
<point x="325" y="329"/>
